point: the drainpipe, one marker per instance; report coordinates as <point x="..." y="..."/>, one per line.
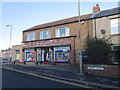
<point x="88" y="28"/>
<point x="95" y="27"/>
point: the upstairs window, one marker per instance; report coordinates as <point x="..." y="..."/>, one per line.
<point x="45" y="34"/>
<point x="30" y="36"/>
<point x="115" y="24"/>
<point x="61" y="32"/>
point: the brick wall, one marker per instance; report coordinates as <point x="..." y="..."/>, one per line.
<point x="108" y="70"/>
<point x="86" y="28"/>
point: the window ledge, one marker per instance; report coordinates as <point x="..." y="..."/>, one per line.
<point x="49" y="39"/>
<point x="115" y="34"/>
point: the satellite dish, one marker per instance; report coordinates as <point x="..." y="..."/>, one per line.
<point x="103" y="31"/>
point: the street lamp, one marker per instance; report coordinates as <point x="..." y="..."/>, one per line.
<point x="10" y="40"/>
<point x="80" y="40"/>
<point x="10" y="33"/>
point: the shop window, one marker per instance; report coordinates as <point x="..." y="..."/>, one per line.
<point x="17" y="55"/>
<point x="30" y="36"/>
<point x="62" y="54"/>
<point x="61" y="32"/>
<point x="115" y="24"/>
<point x="45" y="34"/>
<point x="59" y="55"/>
<point x="30" y="56"/>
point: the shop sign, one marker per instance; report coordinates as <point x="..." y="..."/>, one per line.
<point x="52" y="41"/>
<point x="47" y="42"/>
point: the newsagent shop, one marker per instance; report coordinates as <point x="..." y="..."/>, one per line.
<point x="57" y="50"/>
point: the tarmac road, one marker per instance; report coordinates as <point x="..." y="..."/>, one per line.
<point x="13" y="79"/>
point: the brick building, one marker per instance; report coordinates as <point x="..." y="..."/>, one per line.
<point x="17" y="53"/>
<point x="59" y="42"/>
<point x="56" y="42"/>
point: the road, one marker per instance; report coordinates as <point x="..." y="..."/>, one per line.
<point x="13" y="79"/>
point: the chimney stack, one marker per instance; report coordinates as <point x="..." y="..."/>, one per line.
<point x="96" y="9"/>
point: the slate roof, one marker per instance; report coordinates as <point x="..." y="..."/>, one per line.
<point x="104" y="13"/>
<point x="59" y="22"/>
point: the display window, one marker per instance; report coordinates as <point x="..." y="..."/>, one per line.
<point x="62" y="54"/>
<point x="17" y="55"/>
<point x="30" y="55"/>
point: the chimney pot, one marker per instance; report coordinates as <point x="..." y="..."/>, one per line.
<point x="96" y="9"/>
<point x="97" y="5"/>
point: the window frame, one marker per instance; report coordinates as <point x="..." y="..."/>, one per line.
<point x="48" y="34"/>
<point x="59" y="30"/>
<point x="31" y="36"/>
<point x="114" y="26"/>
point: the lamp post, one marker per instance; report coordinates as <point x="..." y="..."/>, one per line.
<point x="10" y="40"/>
<point x="80" y="40"/>
<point x="10" y="33"/>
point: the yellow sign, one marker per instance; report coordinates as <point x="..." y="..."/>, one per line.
<point x="17" y="56"/>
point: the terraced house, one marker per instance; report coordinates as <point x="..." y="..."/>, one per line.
<point x="59" y="42"/>
<point x="56" y="42"/>
<point x="106" y="24"/>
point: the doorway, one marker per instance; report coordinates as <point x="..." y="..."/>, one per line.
<point x="44" y="55"/>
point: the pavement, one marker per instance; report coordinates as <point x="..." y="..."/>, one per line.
<point x="68" y="73"/>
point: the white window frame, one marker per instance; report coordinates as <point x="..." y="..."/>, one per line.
<point x="58" y="30"/>
<point x="48" y="35"/>
<point x="114" y="25"/>
<point x="31" y="36"/>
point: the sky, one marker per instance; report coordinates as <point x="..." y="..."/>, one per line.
<point x="24" y="15"/>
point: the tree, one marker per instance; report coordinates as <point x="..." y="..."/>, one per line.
<point x="99" y="51"/>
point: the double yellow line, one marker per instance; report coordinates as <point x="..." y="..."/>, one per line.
<point x="54" y="79"/>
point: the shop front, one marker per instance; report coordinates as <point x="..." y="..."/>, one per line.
<point x="30" y="55"/>
<point x="44" y="55"/>
<point x="50" y="51"/>
<point x="62" y="54"/>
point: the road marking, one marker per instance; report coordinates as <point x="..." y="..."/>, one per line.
<point x="54" y="79"/>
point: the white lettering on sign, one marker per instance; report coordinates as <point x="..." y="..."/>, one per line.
<point x="48" y="42"/>
<point x="95" y="68"/>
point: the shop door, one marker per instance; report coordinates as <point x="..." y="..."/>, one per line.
<point x="46" y="55"/>
<point x="39" y="55"/>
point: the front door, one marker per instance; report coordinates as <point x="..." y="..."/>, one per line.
<point x="39" y="55"/>
<point x="44" y="55"/>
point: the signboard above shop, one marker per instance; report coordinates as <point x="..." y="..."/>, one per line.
<point x="49" y="42"/>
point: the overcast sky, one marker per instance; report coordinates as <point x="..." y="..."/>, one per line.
<point x="23" y="15"/>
